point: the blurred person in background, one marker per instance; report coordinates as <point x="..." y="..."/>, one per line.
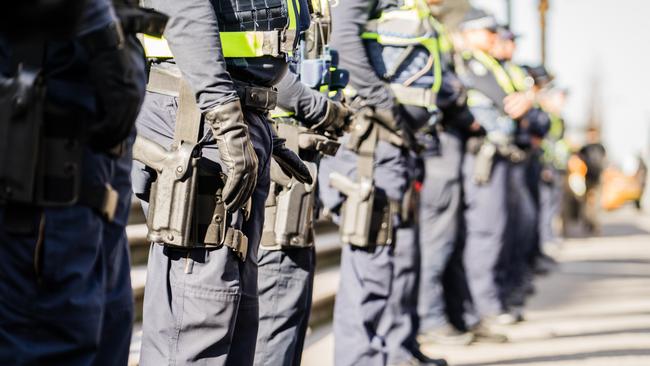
<point x="555" y="155"/>
<point x="521" y="251"/>
<point x="496" y="104"/>
<point x="594" y="154"/>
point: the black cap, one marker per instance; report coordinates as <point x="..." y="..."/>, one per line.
<point x="505" y="33"/>
<point x="478" y="19"/>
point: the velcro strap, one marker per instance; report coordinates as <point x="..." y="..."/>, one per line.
<point x="419" y="97"/>
<point x="103" y="199"/>
<point x="238" y="242"/>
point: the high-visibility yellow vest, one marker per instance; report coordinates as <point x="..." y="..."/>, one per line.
<point x="519" y="77"/>
<point x="243" y="44"/>
<point x="410" y="25"/>
<point x="475" y="98"/>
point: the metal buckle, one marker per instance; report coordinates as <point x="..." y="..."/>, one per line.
<point x="109" y="205"/>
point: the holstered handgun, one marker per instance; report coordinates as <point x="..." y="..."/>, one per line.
<point x="289" y="212"/>
<point x="40" y="163"/>
<point x="22" y="101"/>
<point x="484" y="162"/>
<point x="366" y="215"/>
<point x="173" y="193"/>
<point x="311" y="141"/>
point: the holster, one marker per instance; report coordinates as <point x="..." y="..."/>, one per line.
<point x="173" y="195"/>
<point x="42" y="146"/>
<point x="367" y="214"/>
<point x="486" y="151"/>
<point x="483" y="163"/>
<point x="186" y="208"/>
<point x="289" y="208"/>
<point x="289" y="214"/>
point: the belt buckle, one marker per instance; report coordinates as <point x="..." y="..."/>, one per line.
<point x="109" y="205"/>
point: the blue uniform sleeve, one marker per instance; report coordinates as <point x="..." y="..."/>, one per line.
<point x="96" y="15"/>
<point x="309" y="106"/>
<point x="348" y="21"/>
<point x="193" y="36"/>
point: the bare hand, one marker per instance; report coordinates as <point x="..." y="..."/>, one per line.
<point x="517" y="104"/>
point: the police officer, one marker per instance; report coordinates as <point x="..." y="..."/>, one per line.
<point x="201" y="300"/>
<point x="66" y="295"/>
<point x="522" y="241"/>
<point x="555" y="156"/>
<point x="287" y="257"/>
<point x="496" y="104"/>
<point x="396" y="85"/>
<point x="440" y="200"/>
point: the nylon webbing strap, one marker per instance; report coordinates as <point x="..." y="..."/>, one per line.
<point x="366" y="159"/>
<point x="164" y="82"/>
<point x="409" y="95"/>
<point x="188" y="119"/>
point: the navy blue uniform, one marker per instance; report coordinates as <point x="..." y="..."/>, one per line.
<point x="65" y="291"/>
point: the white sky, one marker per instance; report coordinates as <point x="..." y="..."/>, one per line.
<point x="603" y="40"/>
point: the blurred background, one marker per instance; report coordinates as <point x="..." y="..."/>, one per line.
<point x="598" y="51"/>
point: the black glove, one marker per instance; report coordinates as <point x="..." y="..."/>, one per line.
<point x="337" y="119"/>
<point x="117" y="72"/>
<point x="236" y="153"/>
<point x="290" y="162"/>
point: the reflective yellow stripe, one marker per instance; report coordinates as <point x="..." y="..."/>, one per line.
<point x="431" y="44"/>
<point x="518" y="76"/>
<point x="280" y="113"/>
<point x="503" y="79"/>
<point x="155" y="47"/>
<point x="234" y="44"/>
<point x="444" y="43"/>
<point x="557" y="127"/>
<point x="242" y="44"/>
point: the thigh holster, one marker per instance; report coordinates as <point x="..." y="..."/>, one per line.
<point x="367" y="215"/>
<point x="289" y="208"/>
<point x="186" y="208"/>
<point x="41" y="153"/>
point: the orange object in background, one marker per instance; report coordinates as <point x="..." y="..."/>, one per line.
<point x="577" y="166"/>
<point x="619" y="189"/>
<point x="577" y="176"/>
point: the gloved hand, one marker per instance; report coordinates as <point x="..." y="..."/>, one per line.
<point x="290" y="162"/>
<point x="236" y="153"/>
<point x="337" y="119"/>
<point x="117" y="73"/>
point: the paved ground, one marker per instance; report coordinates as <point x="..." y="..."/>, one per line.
<point x="594" y="310"/>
